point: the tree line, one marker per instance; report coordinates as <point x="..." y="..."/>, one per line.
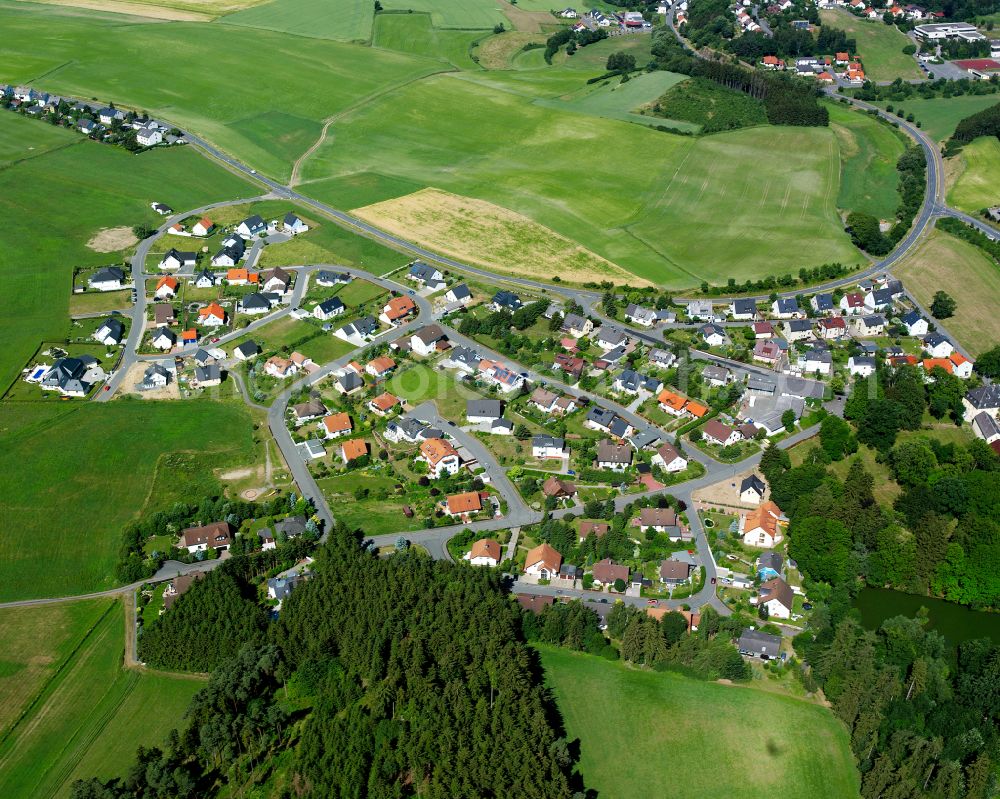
<point x="982" y="123"/>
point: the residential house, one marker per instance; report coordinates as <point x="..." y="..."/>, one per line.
<point x="986" y="398"/>
<point x="559" y="489"/>
<point x="569" y="364"/>
<point x="606" y="572"/>
<point x="204" y="279"/>
<point x="661" y="359"/>
<point x="348" y="382"/>
<point x="352" y="449"/>
<point x="717" y="376"/>
<point x="669" y="459"/>
<point x="769" y="564"/>
<point x="281" y="368"/>
<point x="163" y="314"/>
<point x="767" y="351"/>
<point x="961" y="366"/>
<point x="646" y="317"/>
<point x="247" y="350"/>
<point x="336" y="425"/>
<point x="485" y="551"/>
<point x="255" y="304"/>
<point x="507" y="380"/>
<point x="110" y="278"/>
<point x="852" y="303"/>
<point x="786" y="308"/>
<point x="597" y="529"/>
<point x="359" y="331"/>
<point x="608" y="337"/>
<point x="327" y="309"/>
<point x="545" y="446"/>
<point x="427" y="340"/>
<point x="208" y="375"/>
<point x="483" y="411"/>
<point x="327" y="278"/>
<point x="817" y="361"/>
<point x="754" y="643"/>
<point x="440" y="456"/>
<point x="110" y="333"/>
<point x="175" y="259"/>
<point x="674" y="572"/>
<point x="879" y="300"/>
<point x="203" y="227"/>
<point x="752" y="490"/>
<point x="405" y="429"/>
<point x="293" y="225"/>
<point x="743" y="310"/>
<point x="599" y="418"/>
<point x="868" y="325"/>
<point x="543" y="562"/>
<point x="777" y="596"/>
<point x="700" y="311"/>
<point x="985" y="426"/>
<point x="832" y="327"/>
<point x="937" y="346"/>
<point x="241" y="277"/>
<point x="383" y="404"/>
<point x="148" y="136"/>
<point x="108" y="116"/>
<point x="166" y="288"/>
<point x="614" y="456"/>
<point x="631" y="382"/>
<point x="861" y="365"/>
<point x="762" y="330"/>
<point x="915" y="324"/>
<point x="217" y="536"/>
<point x="797" y="330"/>
<point x="715" y="432"/>
<point x="276" y="279"/>
<point x="313" y="408"/>
<point x="661" y="520"/>
<point x="543" y="399"/>
<point x="397" y="309"/>
<point x="577" y="326"/>
<point x="426" y="275"/>
<point x="505" y="301"/>
<point x="212" y="315"/>
<point x="164" y="339"/>
<point x="380" y="367"/>
<point x="822" y="303"/>
<point x="761" y="527"/>
<point x="713" y="335"/>
<point x="251" y="227"/>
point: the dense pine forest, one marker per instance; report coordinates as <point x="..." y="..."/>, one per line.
<point x="382" y="678"/>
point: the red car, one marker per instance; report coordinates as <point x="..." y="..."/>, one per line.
<point x="652" y="601"/>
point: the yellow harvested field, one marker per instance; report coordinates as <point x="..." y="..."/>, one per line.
<point x="497" y="52"/>
<point x="484" y="234"/>
<point x="943" y="262"/>
<point x="112" y="239"/>
<point x="180" y="11"/>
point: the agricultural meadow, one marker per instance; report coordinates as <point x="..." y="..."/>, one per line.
<point x="978" y="182"/>
<point x="84" y="714"/>
<point x="690" y="739"/>
<point x="940" y="115"/>
<point x="879" y="45"/>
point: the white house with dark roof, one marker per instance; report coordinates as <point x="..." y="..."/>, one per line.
<point x="110" y="278"/>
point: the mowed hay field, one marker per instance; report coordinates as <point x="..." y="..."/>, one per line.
<point x="84" y="469"/>
<point x="209" y="83"/>
<point x="869" y="150"/>
<point x="488" y="235"/>
<point x="879" y="45"/>
<point x="465" y="14"/>
<point x="416" y="34"/>
<point x="943" y="262"/>
<point x="978" y="183"/>
<point x="941" y="115"/>
<point x="347" y="20"/>
<point x="74" y="191"/>
<point x="669" y="209"/>
<point x="87" y="714"/>
<point x="688" y="739"/>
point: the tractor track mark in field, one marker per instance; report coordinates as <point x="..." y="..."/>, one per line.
<point x="788" y="193"/>
<point x="805" y="207"/>
<point x="763" y="196"/>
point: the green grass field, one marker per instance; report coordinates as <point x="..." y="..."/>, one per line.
<point x="967" y="274"/>
<point x="88" y="714"/>
<point x="869" y="151"/>
<point x="647" y="213"/>
<point x="348" y="20"/>
<point x="464" y="14"/>
<point x="978" y="184"/>
<point x="415" y="34"/>
<point x="940" y="116"/>
<point x="84" y="470"/>
<point x="669" y="735"/>
<point x="77" y="190"/>
<point x="880" y="46"/>
<point x="93" y="55"/>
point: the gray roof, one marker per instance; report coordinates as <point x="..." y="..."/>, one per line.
<point x="209" y="372"/>
<point x="419" y="269"/>
<point x="255" y="300"/>
<point x="106" y="274"/>
<point x="771" y="560"/>
<point x="799" y="325"/>
<point x="610" y="335"/>
<point x="350" y="381"/>
<point x="824" y="302"/>
<point x="754" y="482"/>
<point x="114" y="326"/>
<point x="492" y="409"/>
<point x="291" y="525"/>
<point x="461" y="291"/>
<point x="984" y="397"/>
<point x="873" y="320"/>
<point x="744" y="306"/>
<point x="987" y="424"/>
<point x="911" y="318"/>
<point x="763" y="384"/>
<point x="644" y="438"/>
<point x="248" y="348"/>
<point x="758" y="643"/>
<point x="601" y="416"/>
<point x="548" y="441"/>
<point x="715" y="373"/>
<point x="619" y="427"/>
<point x="610" y="452"/>
<point x="331" y="305"/>
<point x="788" y="305"/>
<point x="507" y="299"/>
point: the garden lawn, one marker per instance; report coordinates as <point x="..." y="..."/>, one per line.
<point x="969" y="275"/>
<point x="76" y="191"/>
<point x="941" y="115"/>
<point x="691" y="739"/>
<point x="478" y="136"/>
<point x="84" y="470"/>
<point x="419" y="383"/>
<point x="880" y="46"/>
<point x="231" y="104"/>
<point x="91" y="714"/>
<point x="373" y="516"/>
<point x="978" y="185"/>
<point x="869" y="150"/>
<point x="347" y="20"/>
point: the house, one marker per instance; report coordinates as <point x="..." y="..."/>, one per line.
<point x="700" y="310"/>
<point x="752" y="490"/>
<point x="163" y="314"/>
<point x="543" y="399"/>
<point x="832" y="327"/>
<point x="246" y="351"/>
<point x="87" y="126"/>
<point x="761" y="527"/>
<point x="569" y="364"/>
<point x="714" y="335"/>
<point x="164" y="339"/>
<point x="228" y="256"/>
<point x="961" y="366"/>
<point x="577" y="326"/>
<point x="397" y="309"/>
<point x="108" y="116"/>
<point x="597" y="529"/>
<point x="743" y="309"/>
<point x="327" y="309"/>
<point x="348" y="382"/>
<point x="669" y="459"/>
<point x="459" y="294"/>
<point x="608" y="337"/>
<point x="218" y="535"/>
<point x="276" y="279"/>
<point x="293" y="225"/>
<point x="879" y="300"/>
<point x="359" y="331"/>
<point x="861" y="365"/>
<point x="505" y="301"/>
<point x="772" y="62"/>
<point x="852" y="303"/>
<point x="986" y="398"/>
<point x="212" y="315"/>
<point x="440" y="456"/>
<point x="606" y="572"/>
<point x="485" y="551"/>
<point x="548" y="447"/>
<point x="559" y="489"/>
<point x="313" y="408"/>
<point x="614" y="456"/>
<point x="166" y="288"/>
<point x="427" y="340"/>
<point x="717" y="376"/>
<point x="915" y="324"/>
<point x="822" y="303"/>
<point x="148" y="136"/>
<point x="352" y="449"/>
<point x="383" y="404"/>
<point x="110" y="278"/>
<point x="483" y="411"/>
<point x="110" y="333"/>
<point x="868" y="325"/>
<point x="766" y="411"/>
<point x="620" y="429"/>
<point x="631" y="382"/>
<point x="641" y="316"/>
<point x="279" y="367"/>
<point x="661" y="359"/>
<point x="786" y="308"/>
<point x="797" y="330"/>
<point x="542" y="562"/>
<point x="255" y="304"/>
<point x="203" y="227"/>
<point x="251" y="227"/>
<point x="818" y="361"/>
<point x="777" y="596"/>
<point x="241" y="277"/>
<point x="715" y="432"/>
<point x="175" y="259"/>
<point x="336" y="425"/>
<point x="936" y="345"/>
<point x="380" y="366"/>
<point x="425" y="275"/>
<point x="209" y="375"/>
<point x="769" y="565"/>
<point x="672" y="403"/>
<point x="69" y="376"/>
<point x="326" y="278"/>
<point x="507" y="380"/>
<point x="985" y="426"/>
<point x="659" y="520"/>
<point x="674" y="572"/>
<point x="759" y="386"/>
<point x="568" y="13"/>
<point x="204" y="279"/>
<point x="754" y="643"/>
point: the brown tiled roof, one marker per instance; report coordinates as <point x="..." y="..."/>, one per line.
<point x="337" y="422"/>
<point x="554" y="487"/>
<point x="777" y="588"/>
<point x="216" y="534"/>
<point x="657" y="517"/>
<point x="597" y="528"/>
<point x="607" y="571"/>
<point x="545" y="555"/>
<point x="485" y="548"/>
<point x="354" y="448"/>
<point x="436" y="449"/>
<point x="469" y="502"/>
